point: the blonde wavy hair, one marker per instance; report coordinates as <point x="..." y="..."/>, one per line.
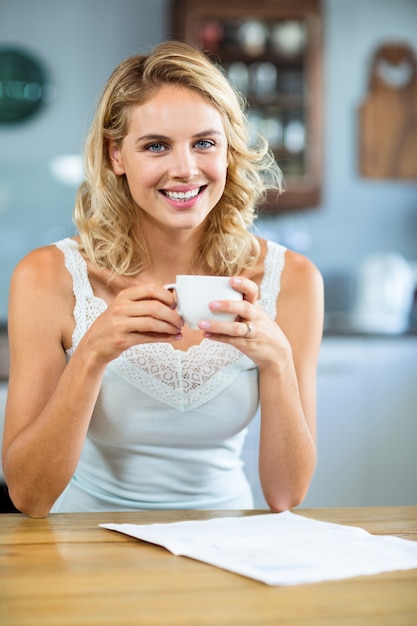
<point x="107" y="218"/>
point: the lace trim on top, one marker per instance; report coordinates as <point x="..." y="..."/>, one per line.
<point x="182" y="379"/>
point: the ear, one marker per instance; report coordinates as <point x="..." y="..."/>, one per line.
<point x="116" y="158"/>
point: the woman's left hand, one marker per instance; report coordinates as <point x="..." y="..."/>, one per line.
<point x="253" y="332"/>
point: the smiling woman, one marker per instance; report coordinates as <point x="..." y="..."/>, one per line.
<point x="176" y="176"/>
<point x="119" y="403"/>
<point x="136" y="82"/>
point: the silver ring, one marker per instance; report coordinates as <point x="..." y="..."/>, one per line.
<point x="250" y="329"/>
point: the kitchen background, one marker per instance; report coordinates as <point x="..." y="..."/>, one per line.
<point x="367" y="394"/>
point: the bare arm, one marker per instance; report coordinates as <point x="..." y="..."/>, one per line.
<point x="287" y="456"/>
<point x="286" y="352"/>
<point x="50" y="402"/>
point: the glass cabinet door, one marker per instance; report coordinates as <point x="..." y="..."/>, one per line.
<point x="271" y="51"/>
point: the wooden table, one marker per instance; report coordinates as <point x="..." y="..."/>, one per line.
<point x="66" y="570"/>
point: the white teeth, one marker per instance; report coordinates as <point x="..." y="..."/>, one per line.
<point x="182" y="195"/>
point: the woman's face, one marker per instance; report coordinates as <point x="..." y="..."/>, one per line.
<point x="174" y="157"/>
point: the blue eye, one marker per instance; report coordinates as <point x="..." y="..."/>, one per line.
<point x="205" y="143"/>
<point x="156" y="147"/>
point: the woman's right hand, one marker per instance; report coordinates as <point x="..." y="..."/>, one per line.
<point x="140" y="314"/>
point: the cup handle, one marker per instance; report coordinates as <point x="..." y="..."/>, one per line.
<point x="173" y="286"/>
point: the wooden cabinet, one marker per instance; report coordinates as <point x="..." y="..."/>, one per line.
<point x="271" y="51"/>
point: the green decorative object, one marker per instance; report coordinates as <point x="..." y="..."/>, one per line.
<point x="23" y="85"/>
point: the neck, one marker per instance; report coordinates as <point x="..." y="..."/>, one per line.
<point x="173" y="253"/>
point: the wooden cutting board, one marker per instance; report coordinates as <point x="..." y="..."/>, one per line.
<point x="388" y="116"/>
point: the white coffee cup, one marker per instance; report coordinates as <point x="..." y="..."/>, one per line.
<point x="194" y="293"/>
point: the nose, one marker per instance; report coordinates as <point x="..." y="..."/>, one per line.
<point x="184" y="164"/>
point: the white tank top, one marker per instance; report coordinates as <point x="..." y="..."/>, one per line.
<point x="169" y="425"/>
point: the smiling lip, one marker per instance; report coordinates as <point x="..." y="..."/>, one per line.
<point x="183" y="197"/>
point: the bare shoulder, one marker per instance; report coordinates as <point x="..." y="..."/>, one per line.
<point x="41" y="289"/>
<point x="300" y="273"/>
<point x="42" y="271"/>
<point x="42" y="263"/>
<point x="300" y="306"/>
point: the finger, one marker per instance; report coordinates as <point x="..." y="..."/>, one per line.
<point x="145" y="316"/>
<point x="130" y="331"/>
<point x="247" y="287"/>
<point x="151" y="291"/>
<point x="238" y="308"/>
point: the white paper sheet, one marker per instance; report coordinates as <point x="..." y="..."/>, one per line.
<point x="279" y="548"/>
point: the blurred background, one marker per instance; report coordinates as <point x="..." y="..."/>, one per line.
<point x="360" y="228"/>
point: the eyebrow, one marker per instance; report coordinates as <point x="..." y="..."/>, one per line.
<point x="157" y="137"/>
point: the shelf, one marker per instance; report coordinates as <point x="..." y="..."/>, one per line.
<point x="271" y="52"/>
